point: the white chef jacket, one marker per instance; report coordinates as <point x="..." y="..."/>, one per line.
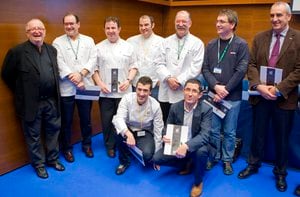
<point x="119" y="55"/>
<point x="183" y="62"/>
<point x="139" y="117"/>
<point x="145" y="50"/>
<point x="67" y="63"/>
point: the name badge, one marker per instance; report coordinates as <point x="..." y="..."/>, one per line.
<point x="217" y="70"/>
<point x="141" y="133"/>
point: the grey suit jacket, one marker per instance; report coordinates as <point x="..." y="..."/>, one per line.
<point x="201" y="123"/>
<point x="289" y="61"/>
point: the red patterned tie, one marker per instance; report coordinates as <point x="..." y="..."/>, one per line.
<point x="275" y="52"/>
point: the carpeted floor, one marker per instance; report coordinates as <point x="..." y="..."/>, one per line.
<point x="96" y="177"/>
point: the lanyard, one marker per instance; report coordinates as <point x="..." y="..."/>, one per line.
<point x="220" y="58"/>
<point x="180" y="47"/>
<point x="77" y="49"/>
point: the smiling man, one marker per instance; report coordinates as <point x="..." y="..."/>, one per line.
<point x="276" y="103"/>
<point x="76" y="58"/>
<point x="194" y="113"/>
<point x="30" y="70"/>
<point x="138" y="123"/>
<point x="146" y="45"/>
<point x="179" y="59"/>
<point x="225" y="65"/>
<point x="115" y="70"/>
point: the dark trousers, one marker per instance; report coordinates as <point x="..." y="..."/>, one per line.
<point x="165" y="108"/>
<point x="84" y="110"/>
<point x="199" y="159"/>
<point x="108" y="108"/>
<point x="282" y="121"/>
<point x="144" y="143"/>
<point x="48" y="120"/>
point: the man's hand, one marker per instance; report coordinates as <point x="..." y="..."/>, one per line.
<point x="166" y="140"/>
<point x="124" y="85"/>
<point x="173" y="83"/>
<point x="267" y="91"/>
<point x="181" y="151"/>
<point x="221" y="91"/>
<point x="130" y="141"/>
<point x="75" y="78"/>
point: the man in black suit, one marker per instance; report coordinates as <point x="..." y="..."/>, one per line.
<point x="30" y="71"/>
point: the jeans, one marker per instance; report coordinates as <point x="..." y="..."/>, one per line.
<point x="228" y="124"/>
<point x="84" y="110"/>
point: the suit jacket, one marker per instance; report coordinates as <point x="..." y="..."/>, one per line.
<point x="288" y="60"/>
<point x="21" y="74"/>
<point x="201" y="123"/>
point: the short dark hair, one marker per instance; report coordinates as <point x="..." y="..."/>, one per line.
<point x="194" y="81"/>
<point x="231" y="15"/>
<point x="71" y="14"/>
<point x="145" y="80"/>
<point x="150" y="18"/>
<point x="113" y="19"/>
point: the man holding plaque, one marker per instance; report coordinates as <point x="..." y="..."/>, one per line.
<point x="139" y="124"/>
<point x="278" y="48"/>
<point x="115" y="70"/>
<point x="193" y="113"/>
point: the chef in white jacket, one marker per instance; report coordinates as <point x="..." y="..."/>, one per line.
<point x="180" y="59"/>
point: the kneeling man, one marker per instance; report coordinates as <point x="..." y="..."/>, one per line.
<point x="195" y="114"/>
<point x="138" y="123"/>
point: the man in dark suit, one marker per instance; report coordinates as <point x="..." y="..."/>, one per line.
<point x="30" y="71"/>
<point x="276" y="102"/>
<point x="195" y="114"/>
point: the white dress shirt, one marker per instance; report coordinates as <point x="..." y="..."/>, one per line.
<point x="73" y="56"/>
<point x="139" y="117"/>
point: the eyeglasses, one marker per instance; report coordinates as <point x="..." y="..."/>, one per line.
<point x="193" y="91"/>
<point x="35" y="29"/>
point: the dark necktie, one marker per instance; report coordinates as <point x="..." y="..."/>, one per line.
<point x="275" y="52"/>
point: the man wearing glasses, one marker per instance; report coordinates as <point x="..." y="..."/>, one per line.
<point x="30" y="70"/>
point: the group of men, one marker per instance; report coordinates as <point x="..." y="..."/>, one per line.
<point x="45" y="78"/>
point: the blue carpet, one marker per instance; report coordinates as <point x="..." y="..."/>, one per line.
<point x="96" y="177"/>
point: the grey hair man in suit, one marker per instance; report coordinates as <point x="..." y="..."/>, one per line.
<point x="197" y="115"/>
<point x="30" y="71"/>
<point x="276" y="102"/>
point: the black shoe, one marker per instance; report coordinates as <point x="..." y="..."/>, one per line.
<point x="88" y="152"/>
<point x="210" y="165"/>
<point x="111" y="153"/>
<point x="187" y="169"/>
<point x="69" y="156"/>
<point x="248" y="171"/>
<point x="227" y="168"/>
<point x="297" y="191"/>
<point x="41" y="172"/>
<point x="57" y="166"/>
<point x="121" y="169"/>
<point x="281" y="184"/>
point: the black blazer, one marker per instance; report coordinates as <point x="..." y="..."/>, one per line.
<point x="22" y="76"/>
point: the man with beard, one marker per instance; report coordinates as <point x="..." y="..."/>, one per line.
<point x="179" y="59"/>
<point x="76" y="58"/>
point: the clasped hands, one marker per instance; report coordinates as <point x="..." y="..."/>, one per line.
<point x="267" y="91"/>
<point x="77" y="79"/>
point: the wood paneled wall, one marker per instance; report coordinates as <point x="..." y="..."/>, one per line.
<point x="13" y="16"/>
<point x="15" y="13"/>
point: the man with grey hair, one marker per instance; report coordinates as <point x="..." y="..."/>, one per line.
<point x="30" y="70"/>
<point x="225" y="65"/>
<point x="179" y="59"/>
<point x="277" y="48"/>
<point x="145" y="45"/>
